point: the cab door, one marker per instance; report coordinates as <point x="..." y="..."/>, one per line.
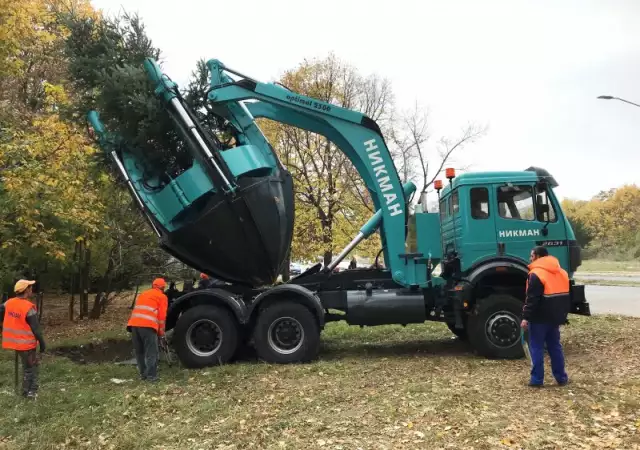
<point x="522" y="222"/>
<point x="480" y="241"/>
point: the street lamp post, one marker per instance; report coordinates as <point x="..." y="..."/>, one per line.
<point x="609" y="97"/>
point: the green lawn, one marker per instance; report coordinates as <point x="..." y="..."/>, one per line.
<point x="373" y="388"/>
<point x="598" y="282"/>
<point x="596" y="265"/>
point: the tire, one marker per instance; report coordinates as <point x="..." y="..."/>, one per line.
<point x="286" y="332"/>
<point x="462" y="334"/>
<point x="193" y="330"/>
<point x="494" y="327"/>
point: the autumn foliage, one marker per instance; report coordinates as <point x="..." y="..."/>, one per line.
<point x="608" y="225"/>
<point x="55" y="191"/>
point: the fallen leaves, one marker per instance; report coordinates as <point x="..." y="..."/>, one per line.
<point x="386" y="395"/>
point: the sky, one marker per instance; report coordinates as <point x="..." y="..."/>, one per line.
<point x="528" y="70"/>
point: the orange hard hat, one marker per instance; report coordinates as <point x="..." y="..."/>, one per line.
<point x="159" y="283"/>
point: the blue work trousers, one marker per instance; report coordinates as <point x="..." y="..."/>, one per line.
<point x="539" y="335"/>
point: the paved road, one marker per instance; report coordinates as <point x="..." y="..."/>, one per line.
<point x="614" y="300"/>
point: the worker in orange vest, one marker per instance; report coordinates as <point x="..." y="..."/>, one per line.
<point x="147" y="325"/>
<point x="546" y="308"/>
<point x="21" y="332"/>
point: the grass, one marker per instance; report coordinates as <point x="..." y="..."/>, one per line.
<point x="598" y="282"/>
<point x="372" y="388"/>
<point x="602" y="266"/>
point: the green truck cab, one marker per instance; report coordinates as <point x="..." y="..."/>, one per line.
<point x="490" y="215"/>
<point x="489" y="223"/>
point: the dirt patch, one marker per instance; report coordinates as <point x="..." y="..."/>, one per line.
<point x="107" y="351"/>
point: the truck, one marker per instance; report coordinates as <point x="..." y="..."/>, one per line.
<point x="230" y="215"/>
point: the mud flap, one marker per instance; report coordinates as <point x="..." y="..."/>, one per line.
<point x="579" y="304"/>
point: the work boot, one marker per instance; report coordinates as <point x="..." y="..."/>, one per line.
<point x="534" y="385"/>
<point x="31" y="395"/>
<point x="563" y="383"/>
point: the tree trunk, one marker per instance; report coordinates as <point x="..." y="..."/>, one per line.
<point x="85" y="282"/>
<point x="328" y="257"/>
<point x="327" y="239"/>
<point x="105" y="300"/>
<point x="103" y="290"/>
<point x="74" y="266"/>
<point x="95" y="310"/>
<point x="81" y="287"/>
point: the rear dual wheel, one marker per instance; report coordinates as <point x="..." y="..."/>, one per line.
<point x="206" y="335"/>
<point x="286" y="332"/>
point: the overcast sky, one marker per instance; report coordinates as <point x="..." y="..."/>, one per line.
<point x="530" y="70"/>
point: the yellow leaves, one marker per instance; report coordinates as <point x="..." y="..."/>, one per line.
<point x="55" y="95"/>
<point x="50" y="186"/>
<point x="611" y="219"/>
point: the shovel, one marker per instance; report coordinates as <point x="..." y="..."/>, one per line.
<point x="166" y="349"/>
<point x="525" y="346"/>
<point x="16" y="367"/>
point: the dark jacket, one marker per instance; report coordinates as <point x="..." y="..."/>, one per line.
<point x="548" y="293"/>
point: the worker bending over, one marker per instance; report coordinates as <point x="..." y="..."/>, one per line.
<point x="21" y="331"/>
<point x="546" y="308"/>
<point x="147" y="325"/>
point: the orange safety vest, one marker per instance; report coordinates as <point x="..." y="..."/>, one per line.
<point x="16" y="332"/>
<point x="553" y="277"/>
<point x="555" y="304"/>
<point x="150" y="311"/>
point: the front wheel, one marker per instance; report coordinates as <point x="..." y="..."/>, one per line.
<point x="205" y="336"/>
<point x="286" y="332"/>
<point x="494" y="327"/>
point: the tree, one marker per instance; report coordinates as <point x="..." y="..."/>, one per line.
<point x="45" y="163"/>
<point x="607" y="225"/>
<point x="332" y="203"/>
<point x="415" y="158"/>
<point x="65" y="220"/>
<point x="328" y="190"/>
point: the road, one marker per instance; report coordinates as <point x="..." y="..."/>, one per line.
<point x="614" y="300"/>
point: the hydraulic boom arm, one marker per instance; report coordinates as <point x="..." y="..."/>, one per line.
<point x="355" y="134"/>
<point x="242" y="100"/>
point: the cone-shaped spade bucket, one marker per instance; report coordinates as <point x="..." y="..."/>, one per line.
<point x="229" y="215"/>
<point x="244" y="240"/>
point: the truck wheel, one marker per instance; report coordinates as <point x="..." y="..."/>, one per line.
<point x="205" y="335"/>
<point x="462" y="333"/>
<point x="494" y="328"/>
<point x="286" y="332"/>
